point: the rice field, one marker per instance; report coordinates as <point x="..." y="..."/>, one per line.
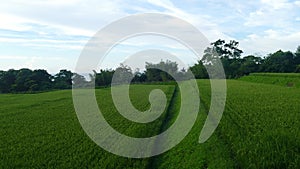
<point x="260" y="128"/>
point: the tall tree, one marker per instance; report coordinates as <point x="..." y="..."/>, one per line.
<point x="199" y="70"/>
<point x="104" y="78"/>
<point x="122" y="75"/>
<point x="79" y="80"/>
<point x="297" y="59"/>
<point x="161" y="71"/>
<point x="23" y="77"/>
<point x="281" y="62"/>
<point x="250" y="64"/>
<point x="8" y="80"/>
<point x="63" y="79"/>
<point x="228" y="53"/>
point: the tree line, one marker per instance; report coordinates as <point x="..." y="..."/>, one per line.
<point x="26" y="80"/>
<point x="235" y="66"/>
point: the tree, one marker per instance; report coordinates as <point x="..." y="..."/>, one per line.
<point x="63" y="79"/>
<point x="281" y="62"/>
<point x="8" y="81"/>
<point x="250" y="64"/>
<point x="297" y="70"/>
<point x="229" y="55"/>
<point x="41" y="80"/>
<point x="22" y="78"/>
<point x="161" y="71"/>
<point x="104" y="78"/>
<point x="122" y="75"/>
<point x="79" y="80"/>
<point x="139" y="77"/>
<point x="297" y="58"/>
<point x="199" y="70"/>
<point x="227" y="50"/>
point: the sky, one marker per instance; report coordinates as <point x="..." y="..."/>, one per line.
<point x="40" y="34"/>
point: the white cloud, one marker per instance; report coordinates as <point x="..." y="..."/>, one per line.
<point x="277" y="4"/>
<point x="297" y="3"/>
<point x="267" y="17"/>
<point x="55" y="46"/>
<point x="270" y="41"/>
<point x="203" y="22"/>
<point x="19" y="23"/>
<point x="269" y="24"/>
<point x="77" y="17"/>
<point x="26" y="40"/>
<point x="51" y="63"/>
<point x="15" y="23"/>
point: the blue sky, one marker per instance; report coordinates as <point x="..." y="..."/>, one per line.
<point x="51" y="34"/>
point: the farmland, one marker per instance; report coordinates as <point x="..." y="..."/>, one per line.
<point x="44" y="131"/>
<point x="281" y="79"/>
<point x="260" y="128"/>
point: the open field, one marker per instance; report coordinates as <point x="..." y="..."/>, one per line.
<point x="260" y="128"/>
<point x="44" y="131"/>
<point x="282" y="79"/>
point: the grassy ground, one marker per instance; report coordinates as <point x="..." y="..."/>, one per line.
<point x="42" y="131"/>
<point x="261" y="125"/>
<point x="259" y="129"/>
<point x="281" y="79"/>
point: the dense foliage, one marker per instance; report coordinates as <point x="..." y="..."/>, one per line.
<point x="236" y="66"/>
<point x="26" y="80"/>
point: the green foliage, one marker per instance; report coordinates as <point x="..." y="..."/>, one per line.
<point x="280" y="62"/>
<point x="164" y="71"/>
<point x="122" y="75"/>
<point x="63" y="79"/>
<point x="26" y="80"/>
<point x="297" y="70"/>
<point x="236" y="66"/>
<point x="199" y="70"/>
<point x="104" y="78"/>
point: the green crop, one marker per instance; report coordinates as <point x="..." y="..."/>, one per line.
<point x="260" y="125"/>
<point x="260" y="128"/>
<point x="42" y="130"/>
<point x="282" y="79"/>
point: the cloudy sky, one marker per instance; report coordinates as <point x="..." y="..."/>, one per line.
<point x="51" y="34"/>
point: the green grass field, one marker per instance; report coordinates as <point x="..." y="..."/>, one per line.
<point x="282" y="79"/>
<point x="260" y="128"/>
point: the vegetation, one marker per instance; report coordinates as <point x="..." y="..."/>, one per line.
<point x="44" y="132"/>
<point x="282" y="79"/>
<point x="259" y="129"/>
<point x="236" y="66"/>
<point x="260" y="126"/>
<point x="255" y="131"/>
<point x="26" y="80"/>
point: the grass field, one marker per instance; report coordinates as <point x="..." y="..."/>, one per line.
<point x="260" y="128"/>
<point x="282" y="79"/>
